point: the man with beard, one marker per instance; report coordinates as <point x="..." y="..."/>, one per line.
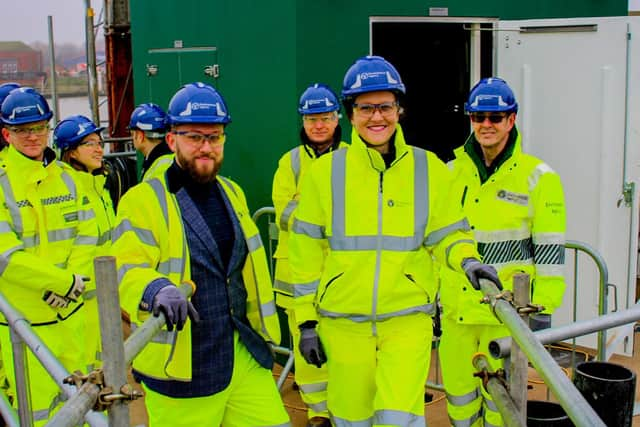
<point x="320" y="134"/>
<point x="193" y="226"/>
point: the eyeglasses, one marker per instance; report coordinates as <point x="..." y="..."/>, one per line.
<point x="324" y="119"/>
<point x="92" y="144"/>
<point x="386" y="109"/>
<point x="23" y="132"/>
<point x="493" y="117"/>
<point x="196" y="139"/>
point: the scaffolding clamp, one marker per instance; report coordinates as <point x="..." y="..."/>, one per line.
<point x="486" y="376"/>
<point x="530" y="309"/>
<point x="106" y="396"/>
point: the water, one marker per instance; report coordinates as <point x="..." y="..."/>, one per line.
<point x="80" y="105"/>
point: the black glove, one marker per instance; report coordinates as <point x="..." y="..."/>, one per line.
<point x="77" y="287"/>
<point x="55" y="300"/>
<point x="475" y="270"/>
<point x="311" y="347"/>
<point x="170" y="301"/>
<point x="539" y="321"/>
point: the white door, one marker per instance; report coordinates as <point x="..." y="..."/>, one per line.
<point x="578" y="85"/>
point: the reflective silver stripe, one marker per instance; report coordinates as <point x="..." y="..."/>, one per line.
<point x="86" y="240"/>
<point x="341" y="422"/>
<point x="389" y="417"/>
<point x="10" y="201"/>
<point x="5" y="227"/>
<point x="317" y="407"/>
<point x="339" y="241"/>
<point x="254" y="243"/>
<point x="428" y="309"/>
<point x="295" y="163"/>
<point x="229" y="184"/>
<point x="268" y="308"/>
<point x="144" y="235"/>
<point x="464" y="399"/>
<point x="69" y="182"/>
<point x="448" y="249"/>
<point x="158" y="188"/>
<point x="548" y="254"/>
<point x="283" y="286"/>
<point x="302" y="289"/>
<point x="314" y="387"/>
<point x="490" y="405"/>
<point x="41" y="415"/>
<point x="4" y="257"/>
<point x="86" y="214"/>
<point x="89" y="294"/>
<point x="62" y="234"/>
<point x="468" y="422"/>
<point x="371" y="243"/>
<point x="308" y="229"/>
<point x="436" y="236"/>
<point x="548" y="238"/>
<point x="506" y="251"/>
<point x="172" y="265"/>
<point x="104" y="238"/>
<point x="286" y="214"/>
<point x="126" y="267"/>
<point x="539" y="170"/>
<point x="31" y="241"/>
<point x="549" y="270"/>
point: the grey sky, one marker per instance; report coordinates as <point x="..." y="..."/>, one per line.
<point x="26" y="20"/>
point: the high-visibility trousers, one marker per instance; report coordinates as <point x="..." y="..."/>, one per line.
<point x="65" y="339"/>
<point x="251" y="399"/>
<point x="377" y="370"/>
<point x="468" y="403"/>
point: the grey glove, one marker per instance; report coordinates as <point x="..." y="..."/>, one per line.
<point x="311" y="347"/>
<point x="475" y="270"/>
<point x="77" y="287"/>
<point x="170" y="301"/>
<point x="55" y="300"/>
<point x="539" y="321"/>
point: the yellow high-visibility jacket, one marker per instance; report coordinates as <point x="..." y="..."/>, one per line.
<point x="150" y="243"/>
<point x="47" y="233"/>
<point x="285" y="194"/>
<point x="518" y="219"/>
<point x="102" y="205"/>
<point x="158" y="167"/>
<point x="364" y="235"/>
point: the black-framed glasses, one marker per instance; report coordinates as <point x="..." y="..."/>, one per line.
<point x="23" y="132"/>
<point x="197" y="139"/>
<point x="493" y="117"/>
<point x="386" y="109"/>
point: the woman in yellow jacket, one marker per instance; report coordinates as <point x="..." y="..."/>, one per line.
<point x="81" y="146"/>
<point x="369" y="222"/>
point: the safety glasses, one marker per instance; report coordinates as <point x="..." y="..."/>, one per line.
<point x="493" y="117"/>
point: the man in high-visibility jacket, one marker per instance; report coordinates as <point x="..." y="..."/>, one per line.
<point x="148" y="126"/>
<point x="369" y="222"/>
<point x="47" y="240"/>
<point x="515" y="205"/>
<point x="193" y="226"/>
<point x="320" y="134"/>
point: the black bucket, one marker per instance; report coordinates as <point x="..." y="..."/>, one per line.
<point x="609" y="389"/>
<point x="546" y="414"/>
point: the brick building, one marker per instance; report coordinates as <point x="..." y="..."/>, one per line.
<point x="21" y="64"/>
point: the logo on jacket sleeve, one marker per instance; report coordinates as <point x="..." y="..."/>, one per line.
<point x="511" y="197"/>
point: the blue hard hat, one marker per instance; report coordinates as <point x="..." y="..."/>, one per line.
<point x="197" y="103"/>
<point x="149" y="118"/>
<point x="318" y="98"/>
<point x="71" y="131"/>
<point x="24" y="105"/>
<point x="5" y="88"/>
<point x="491" y="94"/>
<point x="371" y="74"/>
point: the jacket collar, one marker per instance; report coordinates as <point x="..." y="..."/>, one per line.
<point x="30" y="170"/>
<point x="372" y="155"/>
<point x="471" y="150"/>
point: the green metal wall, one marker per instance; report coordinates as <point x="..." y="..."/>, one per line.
<point x="269" y="52"/>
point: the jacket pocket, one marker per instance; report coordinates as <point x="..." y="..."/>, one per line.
<point x="326" y="287"/>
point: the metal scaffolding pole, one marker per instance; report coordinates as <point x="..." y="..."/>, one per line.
<point x="40" y="350"/>
<point x="511" y="416"/>
<point x="519" y="366"/>
<point x="21" y="369"/>
<point x="501" y="347"/>
<point x="580" y="412"/>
